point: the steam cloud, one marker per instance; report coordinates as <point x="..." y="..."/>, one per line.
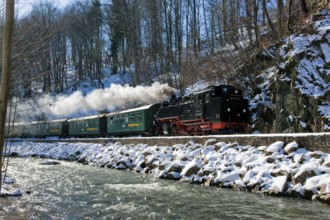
<point x="112" y="98"/>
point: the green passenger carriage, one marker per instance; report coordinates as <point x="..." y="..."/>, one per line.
<point x="133" y="121"/>
<point x="17" y="130"/>
<point x="90" y="126"/>
<point x="49" y="128"/>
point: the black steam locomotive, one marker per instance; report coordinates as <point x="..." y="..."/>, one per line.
<point x="217" y="109"/>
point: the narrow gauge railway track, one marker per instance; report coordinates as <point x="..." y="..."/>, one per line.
<point x="311" y="141"/>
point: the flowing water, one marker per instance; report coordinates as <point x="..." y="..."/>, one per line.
<point x="74" y="191"/>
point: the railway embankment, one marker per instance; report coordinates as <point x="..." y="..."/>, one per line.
<point x="310" y="141"/>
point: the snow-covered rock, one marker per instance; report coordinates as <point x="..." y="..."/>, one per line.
<point x="275" y="147"/>
<point x="291" y="147"/>
<point x="294" y="87"/>
<point x="267" y="170"/>
<point x="15" y="192"/>
<point x="192" y="168"/>
<point x="50" y="162"/>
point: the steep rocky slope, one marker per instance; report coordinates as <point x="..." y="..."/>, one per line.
<point x="293" y="92"/>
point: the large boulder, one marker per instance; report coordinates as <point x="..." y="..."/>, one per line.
<point x="279" y="185"/>
<point x="191" y="168"/>
<point x="302" y="176"/>
<point x="291" y="147"/>
<point x="172" y="176"/>
<point x="223" y="177"/>
<point x="174" y="167"/>
<point x="275" y="147"/>
<point x="324" y="198"/>
<point x="325" y="189"/>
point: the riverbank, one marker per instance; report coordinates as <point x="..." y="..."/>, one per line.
<point x="277" y="169"/>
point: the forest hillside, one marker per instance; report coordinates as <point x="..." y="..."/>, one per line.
<point x="276" y="51"/>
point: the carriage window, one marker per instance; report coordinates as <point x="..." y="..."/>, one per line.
<point x="138" y="117"/>
<point x="132" y="117"/>
<point x="207" y="98"/>
<point x="126" y="118"/>
<point x="111" y="121"/>
<point x="199" y="99"/>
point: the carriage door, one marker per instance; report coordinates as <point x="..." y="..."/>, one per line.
<point x="199" y="106"/>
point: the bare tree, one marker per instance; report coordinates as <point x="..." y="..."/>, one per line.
<point x="255" y="7"/>
<point x="265" y="12"/>
<point x="280" y="17"/>
<point x="6" y="74"/>
<point x="40" y="50"/>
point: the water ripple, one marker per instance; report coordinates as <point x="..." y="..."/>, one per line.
<point x="73" y="191"/>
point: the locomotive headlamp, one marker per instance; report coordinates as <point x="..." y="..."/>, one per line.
<point x="228" y="109"/>
<point x="244" y="110"/>
<point x="236" y="91"/>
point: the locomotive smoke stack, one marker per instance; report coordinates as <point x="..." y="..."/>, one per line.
<point x="112" y="98"/>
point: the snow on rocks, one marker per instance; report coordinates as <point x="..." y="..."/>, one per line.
<point x="291" y="147"/>
<point x="15" y="192"/>
<point x="277" y="169"/>
<point x="50" y="162"/>
<point x="275" y="147"/>
<point x="8" y="190"/>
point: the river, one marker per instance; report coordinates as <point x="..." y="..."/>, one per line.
<point x="74" y="191"/>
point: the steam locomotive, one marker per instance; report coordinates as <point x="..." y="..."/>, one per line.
<point x="217" y="109"/>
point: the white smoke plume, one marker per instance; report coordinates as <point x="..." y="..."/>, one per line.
<point x="113" y="98"/>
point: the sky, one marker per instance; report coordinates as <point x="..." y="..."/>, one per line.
<point x="24" y="6"/>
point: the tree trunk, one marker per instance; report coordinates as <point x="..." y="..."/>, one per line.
<point x="255" y="22"/>
<point x="280" y="14"/>
<point x="206" y="27"/>
<point x="248" y="20"/>
<point x="6" y="74"/>
<point x="270" y="23"/>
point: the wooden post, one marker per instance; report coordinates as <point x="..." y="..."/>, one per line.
<point x="6" y="73"/>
